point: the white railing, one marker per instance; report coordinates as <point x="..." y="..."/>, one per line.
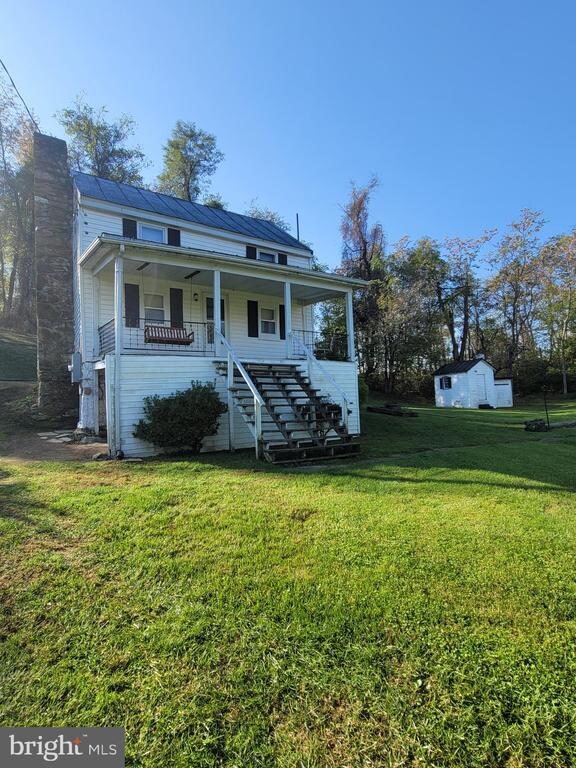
<point x="298" y="344"/>
<point x="233" y="360"/>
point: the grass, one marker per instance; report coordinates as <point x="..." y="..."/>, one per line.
<point x="417" y="608"/>
<point x="17" y="356"/>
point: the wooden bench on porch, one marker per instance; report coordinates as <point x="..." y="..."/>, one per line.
<point x="165" y="334"/>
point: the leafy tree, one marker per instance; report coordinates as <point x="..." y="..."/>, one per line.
<point x="98" y="146"/>
<point x="260" y="212"/>
<point x="515" y="286"/>
<point x="190" y="158"/>
<point x="214" y="200"/>
<point x="558" y="299"/>
<point x="17" y="306"/>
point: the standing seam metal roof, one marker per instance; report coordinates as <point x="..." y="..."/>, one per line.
<point x="165" y="205"/>
<point x="462" y="367"/>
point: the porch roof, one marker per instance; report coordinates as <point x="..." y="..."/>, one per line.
<point x="176" y="263"/>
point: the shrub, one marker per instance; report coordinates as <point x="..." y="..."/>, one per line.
<point x="181" y="420"/>
<point x="362" y="390"/>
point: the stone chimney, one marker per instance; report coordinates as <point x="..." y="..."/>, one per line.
<point x="480" y="356"/>
<point x="54" y="276"/>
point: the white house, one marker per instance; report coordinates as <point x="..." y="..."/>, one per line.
<point x="167" y="291"/>
<point x="471" y="384"/>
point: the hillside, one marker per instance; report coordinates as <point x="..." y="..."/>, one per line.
<point x="17" y="356"/>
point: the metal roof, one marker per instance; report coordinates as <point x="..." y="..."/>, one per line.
<point x="463" y="367"/>
<point x="165" y="205"/>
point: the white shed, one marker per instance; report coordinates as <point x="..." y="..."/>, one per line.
<point x="471" y="384"/>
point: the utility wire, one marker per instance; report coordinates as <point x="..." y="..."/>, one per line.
<point x="34" y="123"/>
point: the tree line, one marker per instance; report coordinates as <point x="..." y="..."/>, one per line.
<point x="100" y="146"/>
<point x="508" y="295"/>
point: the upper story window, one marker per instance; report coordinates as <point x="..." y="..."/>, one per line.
<point x="149" y="232"/>
<point x="267" y="256"/>
<point x="445" y="382"/>
<point x="154" y="307"/>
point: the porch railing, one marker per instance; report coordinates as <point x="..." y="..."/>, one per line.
<point x="106" y="337"/>
<point x="314" y="362"/>
<point x="322" y="345"/>
<point x="159" y="336"/>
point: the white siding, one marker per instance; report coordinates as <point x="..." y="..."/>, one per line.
<point x="346" y="376"/>
<point x="144" y="375"/>
<point x="503" y="390"/>
<point x="265" y="347"/>
<point x="93" y="222"/>
<point x="469" y="389"/>
<point x="458" y="396"/>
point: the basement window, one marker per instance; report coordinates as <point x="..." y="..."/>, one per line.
<point x="445" y="382"/>
<point x="268" y="321"/>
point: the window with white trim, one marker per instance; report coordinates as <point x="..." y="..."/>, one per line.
<point x="154" y="234"/>
<point x="154" y="307"/>
<point x="445" y="382"/>
<point x="267" y="256"/>
<point x="268" y="321"/>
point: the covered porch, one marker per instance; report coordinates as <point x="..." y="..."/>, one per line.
<point x="170" y="303"/>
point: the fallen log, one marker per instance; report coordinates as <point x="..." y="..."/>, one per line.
<point x="391" y="410"/>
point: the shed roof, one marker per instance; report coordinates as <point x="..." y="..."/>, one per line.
<point x="166" y="205"/>
<point x="462" y="367"/>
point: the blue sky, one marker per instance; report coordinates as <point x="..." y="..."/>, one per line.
<point x="465" y="110"/>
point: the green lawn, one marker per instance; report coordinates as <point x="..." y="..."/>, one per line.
<point x="17" y="356"/>
<point x="416" y="608"/>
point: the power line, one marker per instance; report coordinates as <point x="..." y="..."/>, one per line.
<point x="34" y="123"/>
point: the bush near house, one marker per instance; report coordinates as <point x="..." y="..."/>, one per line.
<point x="181" y="420"/>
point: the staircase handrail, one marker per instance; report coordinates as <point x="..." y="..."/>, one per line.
<point x="327" y="375"/>
<point x="232" y="360"/>
<point x="243" y="371"/>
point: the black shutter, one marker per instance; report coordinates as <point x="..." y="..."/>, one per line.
<point x="283" y="259"/>
<point x="282" y="322"/>
<point x="132" y="305"/>
<point x="253" y="318"/>
<point x="129" y="229"/>
<point x="250" y="252"/>
<point x="176" y="307"/>
<point x="173" y="236"/>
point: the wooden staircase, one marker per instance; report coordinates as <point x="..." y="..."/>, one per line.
<point x="297" y="423"/>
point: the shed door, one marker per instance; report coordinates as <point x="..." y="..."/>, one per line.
<point x="481" y="384"/>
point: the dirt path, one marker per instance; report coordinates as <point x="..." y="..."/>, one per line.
<point x="20" y="440"/>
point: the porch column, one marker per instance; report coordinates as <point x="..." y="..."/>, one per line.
<point x="350" y="326"/>
<point x="288" y="318"/>
<point x="115" y="446"/>
<point x="217" y="312"/>
<point x="118" y="300"/>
